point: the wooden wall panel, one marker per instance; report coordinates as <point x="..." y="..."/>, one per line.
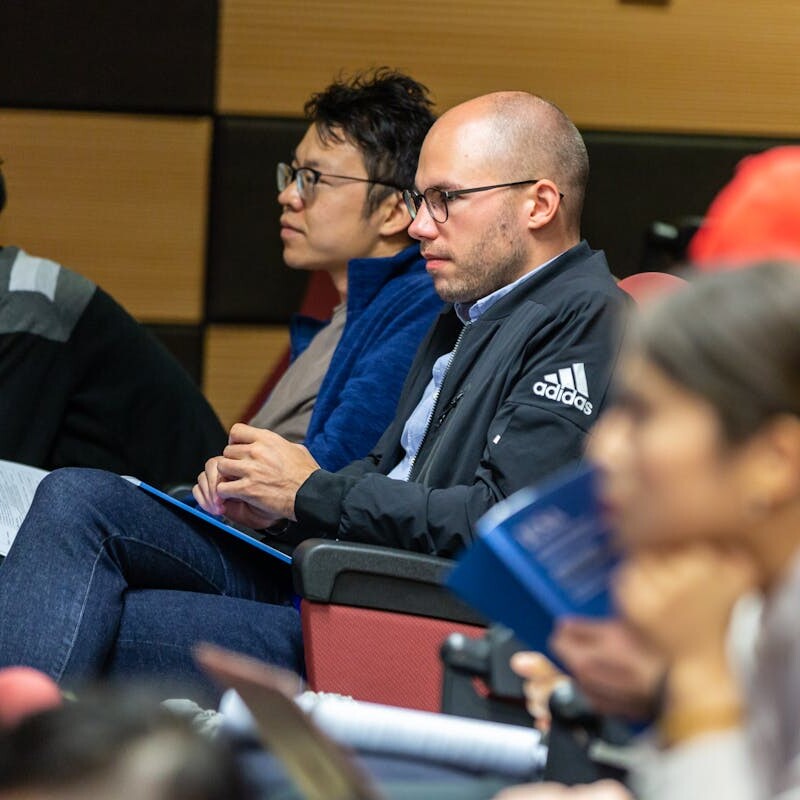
<point x="237" y="360"/>
<point x="119" y="198"/>
<point x="247" y="281"/>
<point x="723" y="66"/>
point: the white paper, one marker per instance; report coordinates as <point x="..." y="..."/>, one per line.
<point x="18" y="484"/>
<point x="441" y="738"/>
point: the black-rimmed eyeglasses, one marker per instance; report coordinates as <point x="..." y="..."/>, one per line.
<point x="307" y="179"/>
<point x="436" y="199"/>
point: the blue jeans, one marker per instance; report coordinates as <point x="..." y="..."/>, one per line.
<point x="104" y="579"/>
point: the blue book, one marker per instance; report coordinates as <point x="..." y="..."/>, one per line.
<point x="541" y="554"/>
<point x="217" y="522"/>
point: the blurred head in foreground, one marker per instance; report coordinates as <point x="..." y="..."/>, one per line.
<point x="703" y="441"/>
<point x="119" y="746"/>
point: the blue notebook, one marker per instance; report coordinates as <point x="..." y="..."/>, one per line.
<point x="541" y="554"/>
<point x="215" y="521"/>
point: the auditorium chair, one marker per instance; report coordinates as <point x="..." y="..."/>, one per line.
<point x="374" y="620"/>
<point x="646" y="286"/>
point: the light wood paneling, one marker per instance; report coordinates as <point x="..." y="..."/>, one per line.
<point x="724" y="66"/>
<point x="119" y="198"/>
<point x="237" y="361"/>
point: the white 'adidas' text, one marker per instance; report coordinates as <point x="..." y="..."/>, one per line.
<point x="567" y="386"/>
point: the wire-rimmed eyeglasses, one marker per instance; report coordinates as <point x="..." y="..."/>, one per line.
<point x="307" y="179"/>
<point x="436" y="199"/>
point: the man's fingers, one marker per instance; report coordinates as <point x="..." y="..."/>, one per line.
<point x="541" y="677"/>
<point x="205" y="490"/>
<point x="206" y="499"/>
<point x="247" y="434"/>
<point x="231" y="469"/>
<point x="246" y="451"/>
<point x="243" y="513"/>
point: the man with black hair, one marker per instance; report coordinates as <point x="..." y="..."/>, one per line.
<point x="343" y="214"/>
<point x="83" y="384"/>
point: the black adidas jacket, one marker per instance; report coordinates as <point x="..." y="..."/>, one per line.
<point x="510" y="411"/>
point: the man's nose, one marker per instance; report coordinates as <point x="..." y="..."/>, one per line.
<point x="423" y="225"/>
<point x="290" y="196"/>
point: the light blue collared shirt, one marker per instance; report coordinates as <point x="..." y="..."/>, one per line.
<point x="417" y="424"/>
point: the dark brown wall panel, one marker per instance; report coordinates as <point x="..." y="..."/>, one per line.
<point x="151" y="55"/>
<point x="185" y="342"/>
<point x="247" y="279"/>
<point x="637" y="179"/>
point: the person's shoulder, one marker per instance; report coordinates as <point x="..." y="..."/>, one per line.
<point x="41" y="297"/>
<point x="24" y="272"/>
<point x="581" y="280"/>
<point x="581" y="265"/>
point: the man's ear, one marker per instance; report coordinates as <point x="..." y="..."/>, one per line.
<point x="544" y="201"/>
<point x="393" y="215"/>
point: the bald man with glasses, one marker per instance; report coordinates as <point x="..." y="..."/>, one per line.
<point x="513" y="373"/>
<point x="502" y="391"/>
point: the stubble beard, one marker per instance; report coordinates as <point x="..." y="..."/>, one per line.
<point x="479" y="272"/>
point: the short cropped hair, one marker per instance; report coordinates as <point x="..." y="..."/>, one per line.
<point x="384" y="113"/>
<point x="539" y="140"/>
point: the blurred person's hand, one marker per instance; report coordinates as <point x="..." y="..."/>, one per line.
<point x="680" y="601"/>
<point x="540" y="676"/>
<point x="616" y="669"/>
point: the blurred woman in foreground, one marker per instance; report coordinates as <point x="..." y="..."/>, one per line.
<point x="700" y="477"/>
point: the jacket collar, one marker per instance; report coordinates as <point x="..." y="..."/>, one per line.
<point x="580" y="257"/>
<point x="367" y="276"/>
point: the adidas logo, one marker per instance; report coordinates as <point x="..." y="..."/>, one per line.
<point x="567" y="386"/>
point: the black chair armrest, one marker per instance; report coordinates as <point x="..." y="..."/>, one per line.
<point x="369" y="576"/>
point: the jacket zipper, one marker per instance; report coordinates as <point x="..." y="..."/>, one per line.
<point x="432" y="415"/>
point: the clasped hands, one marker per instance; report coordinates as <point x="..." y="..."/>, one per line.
<point x="255" y="480"/>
